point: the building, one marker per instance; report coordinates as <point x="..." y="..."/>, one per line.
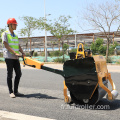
<point x="38" y="43"/>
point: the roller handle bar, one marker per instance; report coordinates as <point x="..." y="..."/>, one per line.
<point x="27" y="64"/>
<point x="60" y="72"/>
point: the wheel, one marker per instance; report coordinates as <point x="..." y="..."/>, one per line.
<point x="91" y="101"/>
<point x="86" y="101"/>
<point x="68" y="100"/>
<point x="74" y="99"/>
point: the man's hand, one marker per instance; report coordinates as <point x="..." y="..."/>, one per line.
<point x="20" y="49"/>
<point x="18" y="55"/>
<point x="23" y="54"/>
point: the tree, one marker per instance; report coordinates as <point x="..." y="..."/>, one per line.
<point x="60" y="28"/>
<point x="65" y="47"/>
<point x="98" y="47"/>
<point x="53" y="43"/>
<point x="31" y="24"/>
<point x="1" y="31"/>
<point x="102" y="18"/>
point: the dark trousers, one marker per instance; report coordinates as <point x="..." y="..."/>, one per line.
<point x="13" y="64"/>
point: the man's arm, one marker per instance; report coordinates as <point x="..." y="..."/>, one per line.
<point x="10" y="49"/>
<point x="20" y="49"/>
<point x="5" y="42"/>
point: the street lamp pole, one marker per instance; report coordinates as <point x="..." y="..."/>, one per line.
<point x="75" y="41"/>
<point x="45" y="33"/>
<point x="75" y="36"/>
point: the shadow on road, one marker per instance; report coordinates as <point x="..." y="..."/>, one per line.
<point x="39" y="96"/>
<point x="112" y="105"/>
<point x="103" y="104"/>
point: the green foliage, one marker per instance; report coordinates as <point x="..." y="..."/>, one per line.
<point x="109" y="60"/>
<point x="35" y="54"/>
<point x="73" y="50"/>
<point x="31" y="24"/>
<point x="98" y="47"/>
<point x="99" y="42"/>
<point x="60" y="27"/>
<point x="1" y="31"/>
<point x="42" y="53"/>
<point x="41" y="23"/>
<point x="86" y="47"/>
<point x="55" y="53"/>
<point x="65" y="47"/>
<point x="59" y="60"/>
<point x="112" y="47"/>
<point x="1" y="54"/>
<point x="118" y="62"/>
<point x="102" y="49"/>
<point x="27" y="54"/>
<point x="1" y="61"/>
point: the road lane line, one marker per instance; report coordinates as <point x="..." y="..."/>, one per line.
<point x="17" y="116"/>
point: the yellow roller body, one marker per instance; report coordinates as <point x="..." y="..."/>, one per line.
<point x="31" y="62"/>
<point x="86" y="77"/>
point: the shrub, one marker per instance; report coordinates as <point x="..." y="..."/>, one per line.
<point x="109" y="60"/>
<point x="65" y="46"/>
<point x="73" y="50"/>
<point x="102" y="49"/>
<point x="118" y="62"/>
<point x="56" y="53"/>
<point x="60" y="60"/>
<point x="27" y="54"/>
<point x="35" y="54"/>
<point x="112" y="48"/>
<point x="42" y="53"/>
<point x="1" y="54"/>
<point x="98" y="47"/>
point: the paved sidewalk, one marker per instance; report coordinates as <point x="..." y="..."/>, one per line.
<point x="5" y="115"/>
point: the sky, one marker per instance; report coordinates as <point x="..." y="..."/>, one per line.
<point x="35" y="8"/>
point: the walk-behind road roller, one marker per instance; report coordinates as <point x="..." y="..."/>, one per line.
<point x="86" y="77"/>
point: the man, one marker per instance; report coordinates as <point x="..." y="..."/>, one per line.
<point x="11" y="50"/>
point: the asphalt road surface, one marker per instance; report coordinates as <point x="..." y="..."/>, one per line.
<point x="44" y="98"/>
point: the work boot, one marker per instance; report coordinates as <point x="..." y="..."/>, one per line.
<point x="12" y="95"/>
<point x="18" y="94"/>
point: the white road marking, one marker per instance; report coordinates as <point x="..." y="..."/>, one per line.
<point x="17" y="116"/>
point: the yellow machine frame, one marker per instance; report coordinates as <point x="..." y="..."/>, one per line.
<point x="80" y="52"/>
<point x="101" y="69"/>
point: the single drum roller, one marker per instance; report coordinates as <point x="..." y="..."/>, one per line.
<point x="87" y="80"/>
<point x="86" y="77"/>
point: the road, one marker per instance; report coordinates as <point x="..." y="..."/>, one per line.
<point x="44" y="98"/>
